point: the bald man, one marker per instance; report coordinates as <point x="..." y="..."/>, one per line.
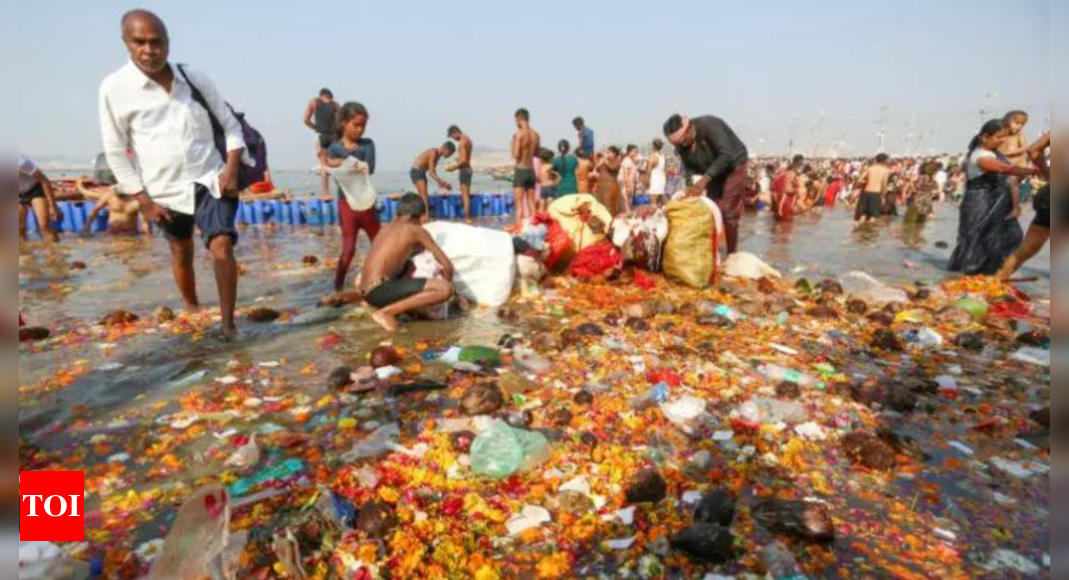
<point x="181" y="180"/>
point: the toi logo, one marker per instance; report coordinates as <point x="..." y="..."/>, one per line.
<point x="52" y="506"/>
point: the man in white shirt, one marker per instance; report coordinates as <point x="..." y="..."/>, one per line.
<point x="180" y="178"/>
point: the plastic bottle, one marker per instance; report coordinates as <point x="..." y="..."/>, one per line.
<point x="779" y="563"/>
<point x="658" y="395"/>
<point x="778" y="374"/>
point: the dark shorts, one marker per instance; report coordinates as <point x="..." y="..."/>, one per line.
<point x="525" y="178"/>
<point x="1042" y="205"/>
<point x="466" y="175"/>
<point x="35" y="192"/>
<point x="870" y="205"/>
<point x="549" y="192"/>
<point x="394" y="291"/>
<point x="214" y="218"/>
<point x="325" y="140"/>
<point x="418" y="176"/>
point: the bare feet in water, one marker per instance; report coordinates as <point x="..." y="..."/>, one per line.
<point x="389" y="323"/>
<point x="228" y="334"/>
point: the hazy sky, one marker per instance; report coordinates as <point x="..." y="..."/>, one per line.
<point x="820" y="70"/>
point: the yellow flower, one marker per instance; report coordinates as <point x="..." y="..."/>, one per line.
<point x="486" y="573"/>
<point x="555" y="566"/>
<point x="389" y="495"/>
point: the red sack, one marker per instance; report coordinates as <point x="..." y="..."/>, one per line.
<point x="597" y="260"/>
<point x="559" y="247"/>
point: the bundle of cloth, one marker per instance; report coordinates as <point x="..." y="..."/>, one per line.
<point x="641" y="236"/>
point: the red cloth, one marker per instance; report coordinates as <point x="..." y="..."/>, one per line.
<point x="560" y="248"/>
<point x="262" y="187"/>
<point x="351" y="224"/>
<point x="643" y="281"/>
<point x="831" y="195"/>
<point x="782" y="204"/>
<point x="597" y="260"/>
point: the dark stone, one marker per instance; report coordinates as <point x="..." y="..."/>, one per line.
<point x="688" y="309"/>
<point x="310" y="261"/>
<point x="569" y="338"/>
<point x="708" y="543"/>
<point x="340" y="378"/>
<point x="637" y="324"/>
<point x="164" y="315"/>
<point x="1036" y="338"/>
<point x="804" y="520"/>
<point x="262" y="315"/>
<point x="893" y="308"/>
<point x="1042" y="417"/>
<point x="857" y="306"/>
<point x="384" y="356"/>
<point x="613" y="319"/>
<point x="867" y="450"/>
<point x="717" y="507"/>
<point x="662" y="307"/>
<point x="788" y="390"/>
<point x="822" y="312"/>
<point x="902" y="443"/>
<point x="647" y="486"/>
<point x="922" y="295"/>
<point x="867" y="393"/>
<point x="881" y="317"/>
<point x="27" y="334"/>
<point x="559" y="417"/>
<point x="900" y="399"/>
<point x="830" y="287"/>
<point x="508" y="314"/>
<point x="376" y="519"/>
<point x="970" y="341"/>
<point x="583" y="398"/>
<point x="589" y="439"/>
<point x="886" y="340"/>
<point x="462" y="441"/>
<point x="942" y="245"/>
<point x="75" y="266"/>
<point x="119" y="318"/>
<point x="482" y="400"/>
<point x="590" y="329"/>
<point x="416" y="387"/>
<point x="767" y="286"/>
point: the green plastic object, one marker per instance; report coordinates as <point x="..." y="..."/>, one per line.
<point x="976" y="308"/>
<point x="502" y="451"/>
<point x="481" y="355"/>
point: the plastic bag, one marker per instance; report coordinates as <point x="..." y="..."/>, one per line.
<point x="863" y="286"/>
<point x="748" y="266"/>
<point x="691" y="251"/>
<point x="599" y="260"/>
<point x="427" y="267"/>
<point x="46" y="561"/>
<point x="484" y="262"/>
<point x="382" y="440"/>
<point x="559" y="247"/>
<point x="200" y="533"/>
<point x="501" y="451"/>
<point x="354" y="179"/>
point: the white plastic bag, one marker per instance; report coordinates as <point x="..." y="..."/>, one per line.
<point x="200" y="533"/>
<point x="748" y="266"/>
<point x="484" y="261"/>
<point x="354" y="178"/>
<point x="865" y="287"/>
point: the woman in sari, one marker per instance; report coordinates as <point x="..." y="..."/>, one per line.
<point x="988" y="231"/>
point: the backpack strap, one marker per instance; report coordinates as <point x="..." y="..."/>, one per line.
<point x="217" y="127"/>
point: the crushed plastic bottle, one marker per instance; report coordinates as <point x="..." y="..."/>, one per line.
<point x="501" y="451"/>
<point x="658" y="395"/>
<point x="779" y="564"/>
<point x="777" y="374"/>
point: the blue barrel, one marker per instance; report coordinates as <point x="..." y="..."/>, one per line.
<point x="101" y="223"/>
<point x="78" y="215"/>
<point x="276" y="211"/>
<point x="287" y="213"/>
<point x="296" y="213"/>
<point x="313" y="213"/>
<point x="248" y="214"/>
<point x="67" y="223"/>
<point x="330" y="212"/>
<point x="476" y="205"/>
<point x="261" y="216"/>
<point x="239" y="217"/>
<point x="395" y="204"/>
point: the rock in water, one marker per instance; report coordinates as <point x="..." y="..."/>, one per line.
<point x="900" y="399"/>
<point x="822" y="312"/>
<point x="885" y="339"/>
<point x="647" y="486"/>
<point x="340" y="378"/>
<point x="716" y="507"/>
<point x="788" y="390"/>
<point x="942" y="245"/>
<point x="164" y="315"/>
<point x="970" y="341"/>
<point x="262" y="315"/>
<point x="376" y="520"/>
<point x="867" y="450"/>
<point x="583" y="398"/>
<point x="590" y="329"/>
<point x="709" y="543"/>
<point x="1036" y="338"/>
<point x="33" y="334"/>
<point x="857" y="306"/>
<point x="559" y="417"/>
<point x="310" y="261"/>
<point x="119" y="318"/>
<point x="881" y="317"/>
<point x="76" y="266"/>
<point x="830" y="287"/>
<point x="482" y="400"/>
<point x="804" y="520"/>
<point x="637" y="324"/>
<point x="384" y="356"/>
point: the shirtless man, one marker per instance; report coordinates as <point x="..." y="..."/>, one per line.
<point x="874" y="181"/>
<point x="122" y="214"/>
<point x="525" y="143"/>
<point x="463" y="167"/>
<point x="382" y="283"/>
<point x="785" y="189"/>
<point x="427" y="162"/>
<point x="321" y="116"/>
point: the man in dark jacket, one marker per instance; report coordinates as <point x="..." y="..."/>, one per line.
<point x="713" y="153"/>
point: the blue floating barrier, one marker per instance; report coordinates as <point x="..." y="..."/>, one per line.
<point x="239" y="217"/>
<point x="313" y="214"/>
<point x="276" y="211"/>
<point x="78" y="215"/>
<point x="476" y="205"/>
<point x="383" y="211"/>
<point x="67" y="223"/>
<point x="101" y="223"/>
<point x="287" y="213"/>
<point x="296" y="213"/>
<point x="330" y="212"/>
<point x="258" y="213"/>
<point x="394" y="205"/>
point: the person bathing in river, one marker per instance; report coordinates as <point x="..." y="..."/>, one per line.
<point x="123" y="211"/>
<point x="427" y="162"/>
<point x="383" y="284"/>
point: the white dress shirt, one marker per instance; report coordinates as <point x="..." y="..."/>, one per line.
<point x="170" y="134"/>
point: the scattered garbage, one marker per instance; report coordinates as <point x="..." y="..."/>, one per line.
<point x="502" y="451"/>
<point x="863" y="286"/>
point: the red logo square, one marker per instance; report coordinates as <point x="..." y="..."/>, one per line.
<point x="52" y="506"/>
